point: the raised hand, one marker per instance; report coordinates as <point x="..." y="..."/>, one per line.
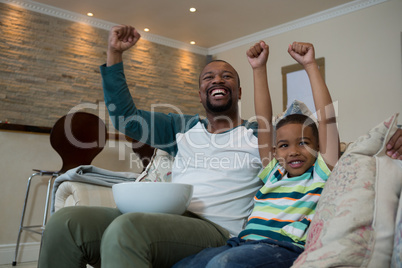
<point x="303" y="53"/>
<point x="257" y="54"/>
<point x="121" y="38"/>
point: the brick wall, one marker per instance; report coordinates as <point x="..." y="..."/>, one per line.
<point x="50" y="65"/>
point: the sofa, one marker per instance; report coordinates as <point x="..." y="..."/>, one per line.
<point x="358" y="222"/>
<point x="76" y="193"/>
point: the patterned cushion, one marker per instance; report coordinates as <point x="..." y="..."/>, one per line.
<point x="355" y="220"/>
<point x="159" y="169"/>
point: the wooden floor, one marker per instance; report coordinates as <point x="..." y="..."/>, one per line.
<point x="26" y="265"/>
<point x="22" y="264"/>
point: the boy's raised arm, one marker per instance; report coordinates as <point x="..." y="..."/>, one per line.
<point x="304" y="54"/>
<point x="257" y="56"/>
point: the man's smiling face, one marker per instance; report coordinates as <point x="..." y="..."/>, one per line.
<point x="219" y="87"/>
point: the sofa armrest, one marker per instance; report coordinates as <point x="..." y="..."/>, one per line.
<point x="72" y="193"/>
<point x="396" y="259"/>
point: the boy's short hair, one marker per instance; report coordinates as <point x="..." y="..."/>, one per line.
<point x="298" y="119"/>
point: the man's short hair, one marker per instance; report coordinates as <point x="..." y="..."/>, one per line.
<point x="238" y="77"/>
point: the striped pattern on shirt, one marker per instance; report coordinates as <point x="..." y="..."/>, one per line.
<point x="284" y="207"/>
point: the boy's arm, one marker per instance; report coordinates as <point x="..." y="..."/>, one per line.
<point x="257" y="56"/>
<point x="304" y="54"/>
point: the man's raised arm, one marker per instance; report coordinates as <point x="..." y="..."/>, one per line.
<point x="121" y="38"/>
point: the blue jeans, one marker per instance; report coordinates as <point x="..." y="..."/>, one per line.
<point x="241" y="253"/>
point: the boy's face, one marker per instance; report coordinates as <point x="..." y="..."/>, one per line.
<point x="296" y="148"/>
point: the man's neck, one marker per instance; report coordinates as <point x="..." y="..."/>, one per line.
<point x="222" y="123"/>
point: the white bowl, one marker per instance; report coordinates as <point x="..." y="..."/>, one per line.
<point x="157" y="197"/>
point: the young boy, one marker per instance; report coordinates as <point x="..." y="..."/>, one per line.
<point x="296" y="169"/>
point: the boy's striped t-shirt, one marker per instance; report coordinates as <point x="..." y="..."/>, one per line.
<point x="284" y="207"/>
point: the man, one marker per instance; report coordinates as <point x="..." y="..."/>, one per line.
<point x="218" y="155"/>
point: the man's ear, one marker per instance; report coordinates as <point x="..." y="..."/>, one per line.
<point x="239" y="93"/>
<point x="199" y="94"/>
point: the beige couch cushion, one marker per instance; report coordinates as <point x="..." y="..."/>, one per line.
<point x="159" y="168"/>
<point x="355" y="219"/>
<point x="396" y="260"/>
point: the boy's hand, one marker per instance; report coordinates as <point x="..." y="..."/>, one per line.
<point x="303" y="53"/>
<point x="257" y="55"/>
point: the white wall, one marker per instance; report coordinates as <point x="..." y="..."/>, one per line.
<point x="20" y="153"/>
<point x="362" y="53"/>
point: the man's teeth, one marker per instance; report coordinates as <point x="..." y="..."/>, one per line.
<point x="218" y="91"/>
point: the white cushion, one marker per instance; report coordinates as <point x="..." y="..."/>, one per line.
<point x="396" y="260"/>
